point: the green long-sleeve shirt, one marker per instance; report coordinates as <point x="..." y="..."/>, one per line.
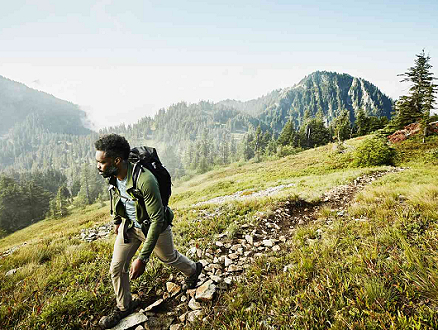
<point x="152" y="209"/>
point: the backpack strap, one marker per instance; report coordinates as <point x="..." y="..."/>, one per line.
<point x="110" y="190"/>
<point x="136" y="174"/>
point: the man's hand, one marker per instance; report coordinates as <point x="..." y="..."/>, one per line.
<point x="137" y="268"/>
<point x="116" y="228"/>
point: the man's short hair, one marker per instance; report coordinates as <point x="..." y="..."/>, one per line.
<point x="114" y="146"/>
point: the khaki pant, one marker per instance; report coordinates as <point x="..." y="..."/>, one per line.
<point x="123" y="253"/>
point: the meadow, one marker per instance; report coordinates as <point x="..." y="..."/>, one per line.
<point x="374" y="267"/>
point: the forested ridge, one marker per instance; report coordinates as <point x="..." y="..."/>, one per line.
<point x="19" y="103"/>
<point x="49" y="137"/>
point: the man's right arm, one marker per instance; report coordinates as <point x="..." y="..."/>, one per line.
<point x="116" y="228"/>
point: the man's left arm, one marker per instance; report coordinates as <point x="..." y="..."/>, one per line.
<point x="155" y="210"/>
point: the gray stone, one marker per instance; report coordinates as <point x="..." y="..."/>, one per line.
<point x="215" y="266"/>
<point x="194" y="305"/>
<point x="173" y="288"/>
<point x="11" y="272"/>
<point x="228" y="261"/>
<point x="130" y="321"/>
<point x="216" y="279"/>
<point x="206" y="291"/>
<point x="199" y="253"/>
<point x="193" y="316"/>
<point x="177" y="326"/>
<point x="234" y="268"/>
<point x="235" y="247"/>
<point x="154" y="305"/>
<point x="183" y="317"/>
<point x="191" y="251"/>
<point x="288" y="267"/>
<point x="191" y="292"/>
<point x="268" y="243"/>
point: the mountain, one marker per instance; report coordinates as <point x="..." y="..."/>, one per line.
<point x="19" y="103"/>
<point x="328" y="92"/>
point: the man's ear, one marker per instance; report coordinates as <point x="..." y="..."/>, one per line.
<point x="117" y="160"/>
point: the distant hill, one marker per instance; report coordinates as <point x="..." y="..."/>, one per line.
<point x="19" y="103"/>
<point x="188" y="121"/>
<point x="328" y="92"/>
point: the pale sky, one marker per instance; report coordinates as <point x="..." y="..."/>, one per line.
<point x="123" y="60"/>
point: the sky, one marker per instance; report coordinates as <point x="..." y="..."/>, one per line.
<point x="123" y="60"/>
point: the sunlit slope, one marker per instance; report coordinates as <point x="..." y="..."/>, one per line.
<point x="63" y="282"/>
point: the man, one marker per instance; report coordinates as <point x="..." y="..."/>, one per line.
<point x="131" y="214"/>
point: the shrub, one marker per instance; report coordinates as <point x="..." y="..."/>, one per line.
<point x="283" y="151"/>
<point x="373" y="151"/>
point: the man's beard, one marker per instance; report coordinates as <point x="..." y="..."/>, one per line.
<point x="111" y="171"/>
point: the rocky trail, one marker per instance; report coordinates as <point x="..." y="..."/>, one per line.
<point x="226" y="259"/>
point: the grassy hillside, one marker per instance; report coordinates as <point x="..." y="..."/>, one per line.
<point x="372" y="266"/>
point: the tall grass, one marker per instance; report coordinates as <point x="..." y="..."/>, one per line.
<point x="373" y="268"/>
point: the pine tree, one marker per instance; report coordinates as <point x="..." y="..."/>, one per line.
<point x="258" y="145"/>
<point x="248" y="150"/>
<point x="362" y="123"/>
<point x="61" y="202"/>
<point x="417" y="105"/>
<point x="288" y="134"/>
<point x="342" y="126"/>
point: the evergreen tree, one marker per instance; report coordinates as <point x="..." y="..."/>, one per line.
<point x="342" y="126"/>
<point x="288" y="134"/>
<point x="271" y="147"/>
<point x="361" y="125"/>
<point x="416" y="106"/>
<point x="258" y="143"/>
<point x="314" y="133"/>
<point x="248" y="150"/>
<point x="61" y="202"/>
<point x="91" y="185"/>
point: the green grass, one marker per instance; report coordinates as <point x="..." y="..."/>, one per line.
<point x="375" y="268"/>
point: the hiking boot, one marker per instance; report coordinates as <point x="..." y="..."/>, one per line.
<point x="112" y="319"/>
<point x="191" y="281"/>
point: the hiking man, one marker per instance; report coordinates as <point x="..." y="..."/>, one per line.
<point x="136" y="220"/>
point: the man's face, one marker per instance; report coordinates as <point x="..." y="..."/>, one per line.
<point x="105" y="165"/>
